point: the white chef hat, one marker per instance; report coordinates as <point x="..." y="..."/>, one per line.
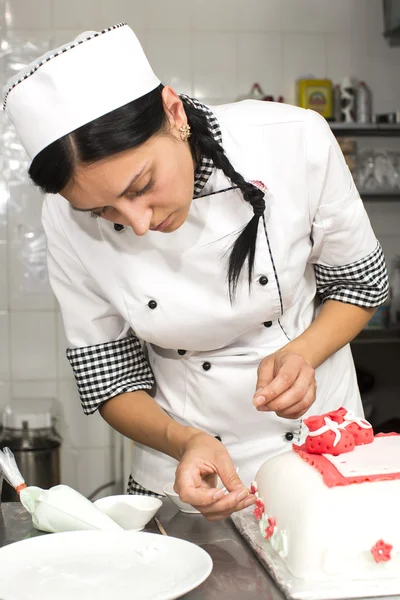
<point x="77" y="83"/>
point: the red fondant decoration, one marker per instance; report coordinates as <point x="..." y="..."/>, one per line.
<point x="259" y="509"/>
<point x="381" y="551"/>
<point x="253" y="489"/>
<point x="269" y="531"/>
<point x="331" y="440"/>
<point x="332" y="477"/>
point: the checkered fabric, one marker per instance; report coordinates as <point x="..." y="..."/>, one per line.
<point x="139" y="490"/>
<point x="107" y="370"/>
<point x="206" y="166"/>
<point x="363" y="283"/>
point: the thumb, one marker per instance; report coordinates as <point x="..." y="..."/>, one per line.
<point x="265" y="374"/>
<point x="229" y="475"/>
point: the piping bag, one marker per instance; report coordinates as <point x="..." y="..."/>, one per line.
<point x="58" y="509"/>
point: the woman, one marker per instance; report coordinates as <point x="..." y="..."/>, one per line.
<point x="231" y="241"/>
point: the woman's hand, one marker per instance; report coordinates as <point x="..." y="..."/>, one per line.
<point x="203" y="461"/>
<point x="286" y="385"/>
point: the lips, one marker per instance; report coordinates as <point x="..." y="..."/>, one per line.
<point x="162" y="225"/>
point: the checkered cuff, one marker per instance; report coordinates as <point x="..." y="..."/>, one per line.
<point x="363" y="283"/>
<point x="107" y="370"/>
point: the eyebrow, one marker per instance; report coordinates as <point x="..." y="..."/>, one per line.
<point x="131" y="183"/>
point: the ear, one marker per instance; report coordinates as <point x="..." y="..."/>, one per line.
<point x="173" y="107"/>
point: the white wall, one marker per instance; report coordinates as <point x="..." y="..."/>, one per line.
<point x="214" y="50"/>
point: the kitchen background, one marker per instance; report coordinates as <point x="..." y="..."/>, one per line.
<point x="214" y="50"/>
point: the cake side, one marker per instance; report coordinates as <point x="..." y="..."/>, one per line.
<point x="346" y="531"/>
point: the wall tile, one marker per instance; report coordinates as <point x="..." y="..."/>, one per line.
<point x="337" y="15"/>
<point x="215" y="15"/>
<point x="33" y="345"/>
<point x="69" y="460"/>
<point x="384" y="217"/>
<point x="36" y="389"/>
<point x="3" y="276"/>
<point x="171" y="64"/>
<point x="259" y="15"/>
<point x="77" y="429"/>
<point x="303" y="55"/>
<point x="29" y="15"/>
<point x="64" y="370"/>
<point x="85" y="16"/>
<point x="214" y="65"/>
<point x="307" y="15"/>
<point x="169" y="15"/>
<point x="4" y="346"/>
<point x="120" y="11"/>
<point x="5" y="394"/>
<point x="338" y="53"/>
<point x="260" y="60"/>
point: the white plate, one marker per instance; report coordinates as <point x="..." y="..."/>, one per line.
<point x="100" y="565"/>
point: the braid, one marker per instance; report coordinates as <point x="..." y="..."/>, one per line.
<point x="203" y="143"/>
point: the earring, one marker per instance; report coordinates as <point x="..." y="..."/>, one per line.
<point x="185" y="132"/>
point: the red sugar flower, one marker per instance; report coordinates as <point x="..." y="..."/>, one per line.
<point x="259" y="509"/>
<point x="271" y="528"/>
<point x="381" y="551"/>
<point x="253" y="489"/>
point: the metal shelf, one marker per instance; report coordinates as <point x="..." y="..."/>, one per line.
<point x="378" y="336"/>
<point x="366" y="129"/>
<point x="380" y="195"/>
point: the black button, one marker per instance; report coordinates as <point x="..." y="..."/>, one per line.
<point x="152" y="304"/>
<point x="263" y="280"/>
<point x="289" y="436"/>
<point x="181" y="352"/>
<point x="118" y="227"/>
<point x="218" y="438"/>
<point x="268" y="324"/>
<point x="206" y="366"/>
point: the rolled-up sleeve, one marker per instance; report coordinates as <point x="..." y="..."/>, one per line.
<point x="348" y="260"/>
<point x="107" y="360"/>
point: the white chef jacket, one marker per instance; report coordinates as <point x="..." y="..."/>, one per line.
<point x="171" y="289"/>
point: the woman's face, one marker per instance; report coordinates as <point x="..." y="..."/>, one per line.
<point x="148" y="187"/>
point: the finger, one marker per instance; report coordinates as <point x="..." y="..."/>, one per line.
<point x="284" y="379"/>
<point x="216" y="513"/>
<point x="265" y="374"/>
<point x="294" y="394"/>
<point x="193" y="489"/>
<point x="298" y="410"/>
<point x="227" y="502"/>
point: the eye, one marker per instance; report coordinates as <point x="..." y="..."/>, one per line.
<point x="99" y="213"/>
<point x="141" y="192"/>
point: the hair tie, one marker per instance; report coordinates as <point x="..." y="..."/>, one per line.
<point x="259" y="207"/>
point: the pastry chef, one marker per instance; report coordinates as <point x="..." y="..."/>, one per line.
<point x="212" y="264"/>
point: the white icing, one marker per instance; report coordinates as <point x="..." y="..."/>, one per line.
<point x="329" y="532"/>
<point x="351" y="417"/>
<point x="330" y="426"/>
<point x="382" y="456"/>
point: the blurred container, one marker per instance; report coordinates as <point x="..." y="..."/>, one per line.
<point x="29" y="432"/>
<point x="348" y="101"/>
<point x="315" y="94"/>
<point x="336" y="98"/>
<point x="363" y="103"/>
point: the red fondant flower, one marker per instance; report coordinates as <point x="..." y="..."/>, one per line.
<point x="381" y="551"/>
<point x="271" y="527"/>
<point x="253" y="489"/>
<point x="259" y="509"/>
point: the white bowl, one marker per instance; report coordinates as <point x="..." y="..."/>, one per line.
<point x="169" y="491"/>
<point x="131" y="512"/>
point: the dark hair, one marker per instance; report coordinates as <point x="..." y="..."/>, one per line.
<point x="130" y="126"/>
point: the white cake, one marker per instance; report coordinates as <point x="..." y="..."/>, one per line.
<point x="326" y="527"/>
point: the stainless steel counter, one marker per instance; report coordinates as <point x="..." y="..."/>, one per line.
<point x="237" y="574"/>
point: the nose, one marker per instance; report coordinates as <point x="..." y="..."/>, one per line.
<point x="137" y="215"/>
